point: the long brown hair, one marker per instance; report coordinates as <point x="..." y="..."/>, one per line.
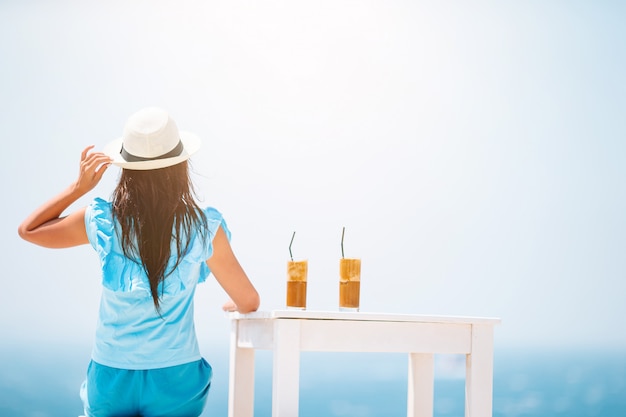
<point x="155" y="208"/>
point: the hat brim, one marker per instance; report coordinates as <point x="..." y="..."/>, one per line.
<point x="191" y="144"/>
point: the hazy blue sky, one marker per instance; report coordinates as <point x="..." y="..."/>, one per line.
<point x="474" y="151"/>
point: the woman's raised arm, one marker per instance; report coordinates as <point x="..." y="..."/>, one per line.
<point x="46" y="227"/>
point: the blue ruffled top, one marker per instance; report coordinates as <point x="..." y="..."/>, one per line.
<point x="130" y="333"/>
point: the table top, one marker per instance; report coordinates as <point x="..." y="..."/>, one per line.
<point x="360" y="316"/>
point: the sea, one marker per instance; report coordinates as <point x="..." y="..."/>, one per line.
<point x="44" y="381"/>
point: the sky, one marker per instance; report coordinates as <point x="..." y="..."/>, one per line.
<point x="473" y="150"/>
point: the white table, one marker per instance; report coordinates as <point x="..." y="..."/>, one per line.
<point x="290" y="332"/>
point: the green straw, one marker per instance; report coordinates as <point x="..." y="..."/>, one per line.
<point x="292" y="236"/>
<point x="342" y="233"/>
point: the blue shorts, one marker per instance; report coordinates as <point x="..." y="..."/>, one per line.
<point x="176" y="391"/>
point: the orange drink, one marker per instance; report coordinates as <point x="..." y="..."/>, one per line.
<point x="296" y="284"/>
<point x="349" y="284"/>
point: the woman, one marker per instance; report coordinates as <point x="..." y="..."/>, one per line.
<point x="155" y="244"/>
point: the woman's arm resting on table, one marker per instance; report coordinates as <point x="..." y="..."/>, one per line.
<point x="231" y="276"/>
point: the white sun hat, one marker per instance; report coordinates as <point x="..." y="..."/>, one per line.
<point x="151" y="140"/>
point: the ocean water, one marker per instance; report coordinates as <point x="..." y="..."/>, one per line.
<point x="44" y="382"/>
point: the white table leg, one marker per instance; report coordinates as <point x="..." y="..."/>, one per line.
<point x="479" y="373"/>
<point x="421" y="385"/>
<point x="241" y="377"/>
<point x="286" y="372"/>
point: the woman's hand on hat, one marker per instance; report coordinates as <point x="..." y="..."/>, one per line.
<point x="92" y="167"/>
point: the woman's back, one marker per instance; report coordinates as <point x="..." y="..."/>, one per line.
<point x="131" y="332"/>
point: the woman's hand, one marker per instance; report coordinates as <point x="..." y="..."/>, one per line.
<point x="229" y="306"/>
<point x="92" y="167"/>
